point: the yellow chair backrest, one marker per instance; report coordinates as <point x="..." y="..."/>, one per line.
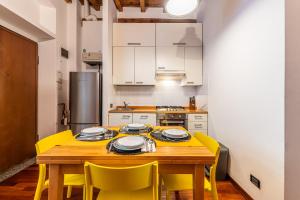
<point x="121" y="178"/>
<point x="52" y="140"/>
<point x="214" y="147"/>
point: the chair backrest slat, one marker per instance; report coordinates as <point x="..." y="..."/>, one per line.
<point x="122" y="179"/>
<point x="52" y="140"/>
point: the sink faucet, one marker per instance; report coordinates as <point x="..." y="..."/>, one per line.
<point x="125" y="105"/>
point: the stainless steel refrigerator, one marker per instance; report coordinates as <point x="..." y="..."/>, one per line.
<point x="85" y="100"/>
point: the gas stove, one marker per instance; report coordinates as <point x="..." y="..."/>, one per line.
<point x="170" y="108"/>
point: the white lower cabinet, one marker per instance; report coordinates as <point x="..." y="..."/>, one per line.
<point x="197" y="123"/>
<point x="117" y="119"/>
<point x="145" y="118"/>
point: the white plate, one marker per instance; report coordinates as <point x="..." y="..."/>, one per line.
<point x="136" y="126"/>
<point x="93" y="131"/>
<point x="175" y="133"/>
<point x="130" y="142"/>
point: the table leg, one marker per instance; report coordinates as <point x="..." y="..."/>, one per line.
<point x="198" y="181"/>
<point x="56" y="181"/>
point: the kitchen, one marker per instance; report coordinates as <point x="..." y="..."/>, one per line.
<point x="223" y="69"/>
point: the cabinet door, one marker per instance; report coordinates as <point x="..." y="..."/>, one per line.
<point x="193" y="66"/>
<point x="145" y="65"/>
<point x="197" y="117"/>
<point x="118" y="119"/>
<point x="134" y="34"/>
<point x="144" y="118"/>
<point x="184" y="34"/>
<point x="123" y="65"/>
<point x="170" y="58"/>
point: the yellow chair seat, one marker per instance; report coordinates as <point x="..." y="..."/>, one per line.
<point x="182" y="181"/>
<point x="71" y="179"/>
<point x="145" y="194"/>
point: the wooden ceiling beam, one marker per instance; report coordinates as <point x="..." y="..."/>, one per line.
<point x="143" y="5"/>
<point x="68" y="1"/>
<point x="118" y="5"/>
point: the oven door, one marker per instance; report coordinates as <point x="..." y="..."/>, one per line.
<point x="173" y="122"/>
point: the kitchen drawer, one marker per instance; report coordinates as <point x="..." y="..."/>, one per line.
<point x="197" y="125"/>
<point x="117" y="119"/>
<point x="144" y="118"/>
<point x="197" y="117"/>
<point x="204" y="131"/>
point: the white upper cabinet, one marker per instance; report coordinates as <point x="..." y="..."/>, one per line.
<point x="134" y="65"/>
<point x="179" y="34"/>
<point x="123" y="65"/>
<point x="169" y="58"/>
<point x="144" y="66"/>
<point x="133" y="34"/>
<point x="193" y="66"/>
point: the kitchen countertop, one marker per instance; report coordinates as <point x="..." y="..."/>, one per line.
<point x="152" y="109"/>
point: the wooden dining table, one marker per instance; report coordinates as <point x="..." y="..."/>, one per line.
<point x="174" y="158"/>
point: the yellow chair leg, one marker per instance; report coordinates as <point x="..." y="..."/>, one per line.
<point x="69" y="192"/>
<point x="41" y="183"/>
<point x="214" y="192"/>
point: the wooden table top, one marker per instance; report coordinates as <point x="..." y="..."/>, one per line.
<point x="74" y="154"/>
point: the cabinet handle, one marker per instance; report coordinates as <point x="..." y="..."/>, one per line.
<point x="134" y="43"/>
<point x="179" y="43"/>
<point x="190" y="82"/>
<point x="198" y="117"/>
<point x="161" y="68"/>
<point x="144" y="117"/>
<point x="128" y="82"/>
<point x="139" y="82"/>
<point x="198" y="126"/>
<point x="125" y="117"/>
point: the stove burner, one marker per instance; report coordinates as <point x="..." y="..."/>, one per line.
<point x="170" y="108"/>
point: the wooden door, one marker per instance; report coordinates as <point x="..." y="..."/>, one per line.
<point x="18" y="98"/>
<point x="144" y="69"/>
<point x="123" y="65"/>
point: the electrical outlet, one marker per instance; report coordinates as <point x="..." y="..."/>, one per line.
<point x="255" y="181"/>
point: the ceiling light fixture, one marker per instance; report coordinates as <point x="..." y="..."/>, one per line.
<point x="181" y="7"/>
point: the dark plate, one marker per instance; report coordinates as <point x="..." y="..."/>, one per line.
<point x="135" y="131"/>
<point x="124" y="152"/>
<point x="97" y="138"/>
<point x="159" y="136"/>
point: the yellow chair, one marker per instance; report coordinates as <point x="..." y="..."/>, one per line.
<point x="175" y="182"/>
<point x="122" y="183"/>
<point x="69" y="179"/>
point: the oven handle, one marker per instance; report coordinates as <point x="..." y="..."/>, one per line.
<point x="172" y="122"/>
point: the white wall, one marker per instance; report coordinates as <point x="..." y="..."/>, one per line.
<point x="165" y="92"/>
<point x="292" y="105"/>
<point x="109" y="16"/>
<point x="50" y="63"/>
<point x="244" y="55"/>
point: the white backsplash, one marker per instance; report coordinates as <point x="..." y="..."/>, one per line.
<point x="166" y="92"/>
